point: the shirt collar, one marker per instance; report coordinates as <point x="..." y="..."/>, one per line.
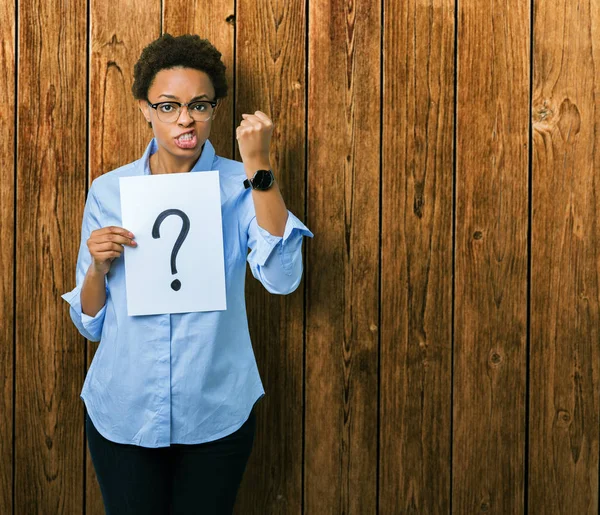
<point x="204" y="162"/>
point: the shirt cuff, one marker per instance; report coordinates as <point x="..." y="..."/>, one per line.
<point x="292" y="233"/>
<point x="88" y="326"/>
<point x="92" y="323"/>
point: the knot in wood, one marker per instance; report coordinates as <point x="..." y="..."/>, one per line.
<point x="569" y="120"/>
<point x="495" y="358"/>
<point x="563" y="417"/>
<point x="543" y="113"/>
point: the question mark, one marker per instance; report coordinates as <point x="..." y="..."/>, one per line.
<point x="176" y="284"/>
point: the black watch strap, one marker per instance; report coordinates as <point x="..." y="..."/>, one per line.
<point x="249" y="183"/>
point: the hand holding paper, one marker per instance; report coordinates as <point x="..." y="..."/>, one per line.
<point x="106" y="244"/>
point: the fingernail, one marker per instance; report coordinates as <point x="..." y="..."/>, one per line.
<point x="131" y="235"/>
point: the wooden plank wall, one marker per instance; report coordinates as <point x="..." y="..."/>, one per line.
<point x="7" y="238"/>
<point x="415" y="467"/>
<point x="50" y="190"/>
<point x="565" y="257"/>
<point x="490" y="298"/>
<point x="343" y="261"/>
<point x="441" y="354"/>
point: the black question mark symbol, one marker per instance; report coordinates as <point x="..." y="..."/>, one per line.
<point x="176" y="284"/>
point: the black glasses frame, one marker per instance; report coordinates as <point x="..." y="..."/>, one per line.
<point x="155" y="106"/>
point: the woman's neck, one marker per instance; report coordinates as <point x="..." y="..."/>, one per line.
<point x="160" y="163"/>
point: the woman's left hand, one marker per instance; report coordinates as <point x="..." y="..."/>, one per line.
<point x="254" y="137"/>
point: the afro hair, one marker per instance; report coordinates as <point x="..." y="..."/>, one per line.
<point x="188" y="51"/>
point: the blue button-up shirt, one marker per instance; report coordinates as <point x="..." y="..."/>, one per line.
<point x="188" y="377"/>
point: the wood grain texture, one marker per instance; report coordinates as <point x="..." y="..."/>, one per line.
<point x="270" y="77"/>
<point x="118" y="131"/>
<point x="491" y="257"/>
<point x="445" y="443"/>
<point x="343" y="260"/>
<point x="416" y="257"/>
<point x="563" y="465"/>
<point x="7" y="221"/>
<point x="50" y="194"/>
<point x="214" y="21"/>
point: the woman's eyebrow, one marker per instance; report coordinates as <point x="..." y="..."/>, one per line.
<point x="173" y="97"/>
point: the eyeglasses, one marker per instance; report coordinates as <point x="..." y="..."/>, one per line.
<point x="199" y="110"/>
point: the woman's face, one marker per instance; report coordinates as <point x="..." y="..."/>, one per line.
<point x="180" y="85"/>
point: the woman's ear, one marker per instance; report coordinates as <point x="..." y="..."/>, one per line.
<point x="143" y="105"/>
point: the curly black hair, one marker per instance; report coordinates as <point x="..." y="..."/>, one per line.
<point x="189" y="51"/>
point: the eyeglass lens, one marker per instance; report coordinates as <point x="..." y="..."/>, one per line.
<point x="199" y="111"/>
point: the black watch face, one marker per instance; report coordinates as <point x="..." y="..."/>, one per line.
<point x="262" y="180"/>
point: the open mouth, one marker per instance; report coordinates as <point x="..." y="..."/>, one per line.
<point x="186" y="140"/>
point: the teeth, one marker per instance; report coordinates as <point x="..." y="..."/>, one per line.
<point x="186" y="137"/>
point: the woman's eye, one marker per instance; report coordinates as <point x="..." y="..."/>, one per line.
<point x="166" y="108"/>
<point x="198" y="107"/>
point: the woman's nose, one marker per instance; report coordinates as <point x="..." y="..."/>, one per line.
<point x="184" y="116"/>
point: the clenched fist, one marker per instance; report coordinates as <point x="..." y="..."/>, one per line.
<point x="254" y="137"/>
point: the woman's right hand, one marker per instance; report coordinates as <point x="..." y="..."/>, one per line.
<point x="106" y="244"/>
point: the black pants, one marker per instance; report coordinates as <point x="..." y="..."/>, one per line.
<point x="181" y="479"/>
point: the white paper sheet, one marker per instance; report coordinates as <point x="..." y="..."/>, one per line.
<point x="199" y="262"/>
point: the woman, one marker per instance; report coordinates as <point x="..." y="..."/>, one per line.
<point x="169" y="399"/>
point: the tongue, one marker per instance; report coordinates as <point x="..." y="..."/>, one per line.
<point x="186" y="143"/>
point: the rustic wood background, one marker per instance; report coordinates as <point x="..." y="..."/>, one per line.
<point x="441" y="354"/>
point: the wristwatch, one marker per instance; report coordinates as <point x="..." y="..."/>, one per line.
<point x="262" y="180"/>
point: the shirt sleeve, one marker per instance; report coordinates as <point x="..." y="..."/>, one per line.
<point x="276" y="261"/>
<point x="90" y="327"/>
